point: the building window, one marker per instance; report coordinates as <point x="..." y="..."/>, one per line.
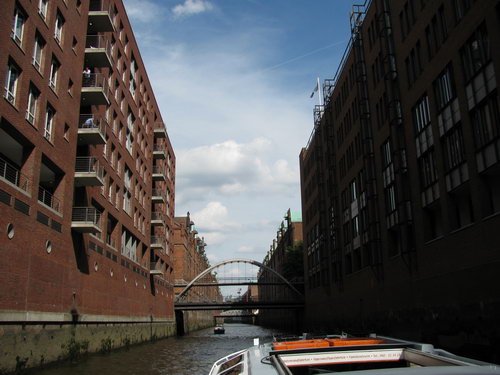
<point x="42" y="8"/>
<point x="38" y="52"/>
<point x="18" y="26"/>
<point x="427" y="169"/>
<point x="444" y="88"/>
<point x="49" y="123"/>
<point x="32" y="107"/>
<point x="58" y="30"/>
<point x="54" y="69"/>
<point x="460" y="8"/>
<point x="11" y="81"/>
<point x="421" y="115"/>
<point x="454" y="151"/>
<point x="485" y="122"/>
<point x="390" y="199"/>
<point x="476" y="52"/>
<point x="413" y="64"/>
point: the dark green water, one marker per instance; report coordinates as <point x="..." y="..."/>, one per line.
<point x="192" y="354"/>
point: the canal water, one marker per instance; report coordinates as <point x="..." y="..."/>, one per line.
<point x="192" y="354"/>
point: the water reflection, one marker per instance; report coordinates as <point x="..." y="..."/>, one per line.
<point x="192" y="354"/>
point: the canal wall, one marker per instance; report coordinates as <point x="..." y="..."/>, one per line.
<point x="196" y="320"/>
<point x="35" y="343"/>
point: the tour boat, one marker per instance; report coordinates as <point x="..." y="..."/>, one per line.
<point x="370" y="355"/>
<point x="219" y="329"/>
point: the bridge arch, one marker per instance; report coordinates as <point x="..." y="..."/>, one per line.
<point x="237" y="260"/>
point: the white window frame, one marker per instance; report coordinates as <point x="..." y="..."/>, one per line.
<point x="43" y="6"/>
<point x="18" y="26"/>
<point x="38" y="47"/>
<point x="49" y="123"/>
<point x="58" y="28"/>
<point x="11" y="83"/>
<point x="31" y="109"/>
<point x="54" y="69"/>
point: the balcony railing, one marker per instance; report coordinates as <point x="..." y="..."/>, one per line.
<point x="48" y="199"/>
<point x="157" y="218"/>
<point x="86" y="219"/>
<point x="159" y="151"/>
<point x="98" y="51"/>
<point x="159" y="130"/>
<point x="100" y="16"/>
<point x="12" y="175"/>
<point x="91" y="130"/>
<point x="155" y="269"/>
<point x="94" y="89"/>
<point x="88" y="171"/>
<point x="157" y="242"/>
<point x="158" y="195"/>
<point x="158" y="173"/>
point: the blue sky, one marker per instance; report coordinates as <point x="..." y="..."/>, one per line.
<point x="233" y="80"/>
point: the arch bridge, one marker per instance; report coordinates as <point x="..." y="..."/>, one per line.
<point x="238" y="284"/>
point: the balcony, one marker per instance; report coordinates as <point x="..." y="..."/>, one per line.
<point x="159" y="130"/>
<point x="155" y="268"/>
<point x="91" y="130"/>
<point x="88" y="172"/>
<point x="158" y="173"/>
<point x="94" y="89"/>
<point x="157" y="196"/>
<point x="159" y="152"/>
<point x="86" y="220"/>
<point x="47" y="198"/>
<point x="100" y="20"/>
<point x="157" y="218"/>
<point x="97" y="52"/>
<point x="158" y="242"/>
<point x="13" y="176"/>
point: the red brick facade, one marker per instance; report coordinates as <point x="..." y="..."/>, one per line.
<point x="87" y="171"/>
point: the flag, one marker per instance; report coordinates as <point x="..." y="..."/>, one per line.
<point x="316" y="88"/>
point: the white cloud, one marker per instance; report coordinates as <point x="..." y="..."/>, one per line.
<point x="190" y="7"/>
<point x="246" y="249"/>
<point x="230" y="168"/>
<point x="143" y="10"/>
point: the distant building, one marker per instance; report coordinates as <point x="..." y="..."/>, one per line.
<point x="400" y="179"/>
<point x="190" y="260"/>
<point x="285" y="256"/>
<point x="87" y="175"/>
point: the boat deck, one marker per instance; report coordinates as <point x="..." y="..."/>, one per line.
<point x="336" y="354"/>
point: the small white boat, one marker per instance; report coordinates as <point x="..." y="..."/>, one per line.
<point x="372" y="355"/>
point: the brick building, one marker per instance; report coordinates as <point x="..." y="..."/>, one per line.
<point x="86" y="168"/>
<point x="190" y="260"/>
<point x="285" y="257"/>
<point x="400" y="179"/>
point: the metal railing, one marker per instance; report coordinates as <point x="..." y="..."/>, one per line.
<point x="157" y="240"/>
<point x="89" y="164"/>
<point x="159" y="148"/>
<point x="48" y="199"/>
<point x="155" y="266"/>
<point x="156" y="215"/>
<point x="11" y="174"/>
<point x="90" y="121"/>
<point x="99" y="6"/>
<point x="158" y="193"/>
<point x="159" y="126"/>
<point x="96" y="80"/>
<point x="98" y="42"/>
<point x="158" y="170"/>
<point x="86" y="215"/>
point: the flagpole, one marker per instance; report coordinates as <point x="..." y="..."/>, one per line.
<point x="320" y="94"/>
